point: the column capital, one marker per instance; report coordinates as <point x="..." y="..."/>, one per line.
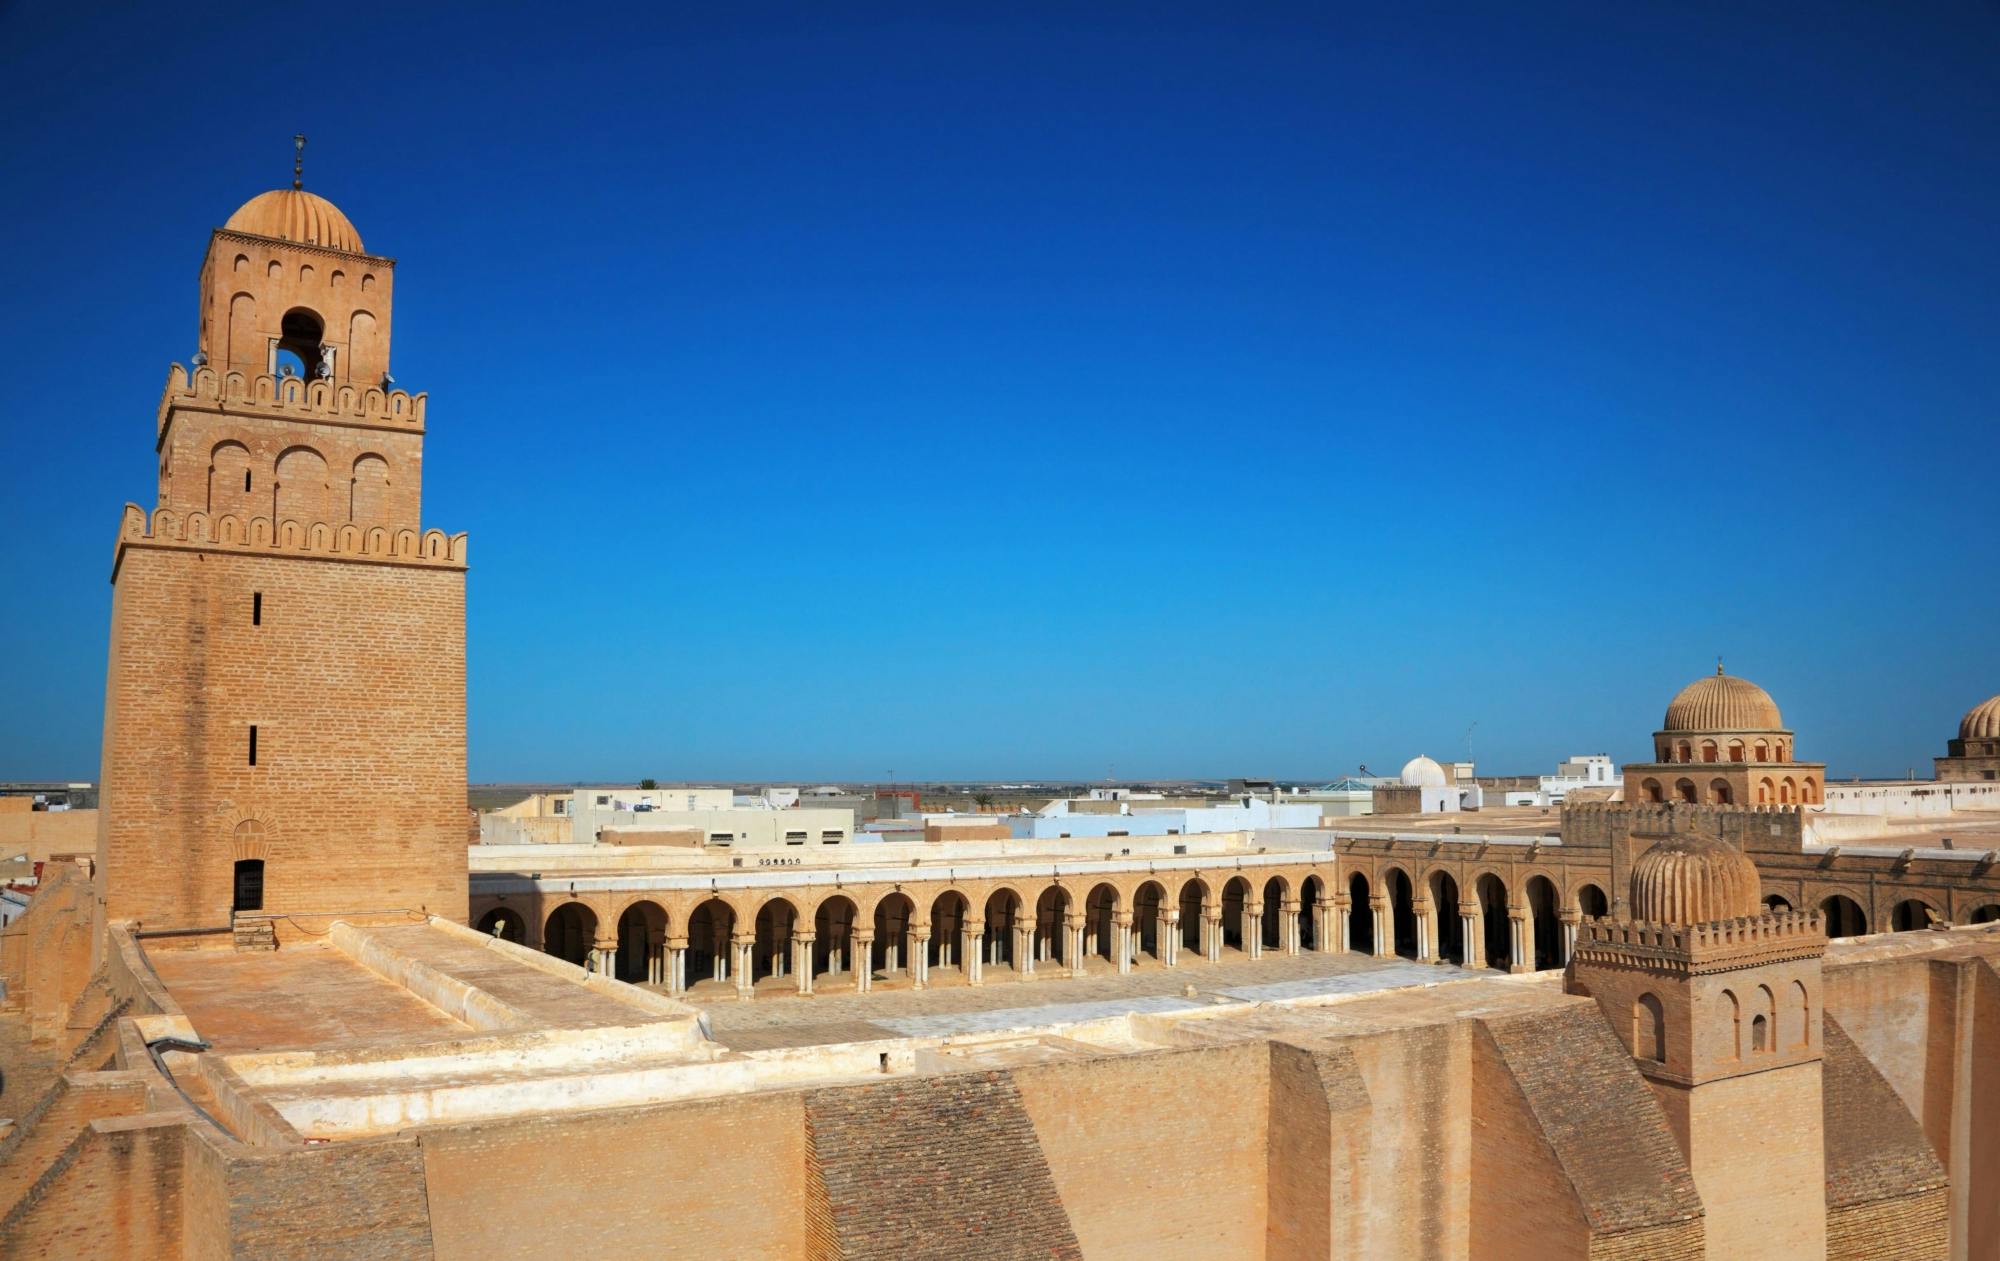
<point x="677" y="943"/>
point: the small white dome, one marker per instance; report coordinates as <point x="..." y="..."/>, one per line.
<point x="1421" y="772"/>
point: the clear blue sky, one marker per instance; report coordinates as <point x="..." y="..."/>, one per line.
<point x="1195" y="391"/>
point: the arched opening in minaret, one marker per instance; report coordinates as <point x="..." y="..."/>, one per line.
<point x="1760" y="1034"/>
<point x="1649" y="1029"/>
<point x="301" y="338"/>
<point x="1360" y="916"/>
<point x="1990" y="913"/>
<point x="1843" y="916"/>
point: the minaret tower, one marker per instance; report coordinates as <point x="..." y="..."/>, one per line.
<point x="284" y="725"/>
<point x="1719" y="1002"/>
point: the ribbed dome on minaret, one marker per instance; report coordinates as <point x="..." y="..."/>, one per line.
<point x="1694" y="880"/>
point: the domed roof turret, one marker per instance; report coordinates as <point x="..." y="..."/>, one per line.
<point x="1422" y="772"/>
<point x="293" y="214"/>
<point x="1723" y="702"/>
<point x="1694" y="880"/>
<point x="1981" y="722"/>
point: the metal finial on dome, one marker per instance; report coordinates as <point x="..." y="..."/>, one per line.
<point x="1718" y="663"/>
<point x="299" y="160"/>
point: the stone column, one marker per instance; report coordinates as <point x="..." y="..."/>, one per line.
<point x="676" y="965"/>
<point x="1472" y="927"/>
<point x="920" y="956"/>
<point x="720" y="953"/>
<point x="606" y="954"/>
<point x="745" y="966"/>
<point x="1570" y="918"/>
<point x="1521" y="957"/>
<point x="1073" y="925"/>
<point x="1253" y="930"/>
<point x="1288" y="925"/>
<point x="862" y="944"/>
<point x="1170" y="937"/>
<point x="1427" y="947"/>
<point x="1385" y="926"/>
<point x="975" y="952"/>
<point x="802" y="951"/>
<point x="1323" y="928"/>
<point x="1024" y="950"/>
<point x="1343" y="909"/>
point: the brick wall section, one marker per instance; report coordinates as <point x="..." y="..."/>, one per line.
<point x="1877" y="1159"/>
<point x="1416" y="1201"/>
<point x="1588" y="1125"/>
<point x="934" y="1167"/>
<point x="355" y="680"/>
<point x="114" y="1191"/>
<point x="64" y="1110"/>
<point x="1159" y="1154"/>
<point x="1318" y="1154"/>
<point x="342" y="1202"/>
<point x="702" y="1180"/>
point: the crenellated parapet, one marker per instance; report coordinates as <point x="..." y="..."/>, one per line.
<point x="290" y="398"/>
<point x="198" y="531"/>
<point x="1701" y="949"/>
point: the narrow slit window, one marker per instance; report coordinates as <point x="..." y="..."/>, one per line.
<point x="256" y="608"/>
<point x="253" y="744"/>
<point x="246" y="479"/>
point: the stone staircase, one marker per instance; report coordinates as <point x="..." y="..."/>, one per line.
<point x="254" y="934"/>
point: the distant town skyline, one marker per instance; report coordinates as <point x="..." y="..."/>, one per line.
<point x="1036" y="393"/>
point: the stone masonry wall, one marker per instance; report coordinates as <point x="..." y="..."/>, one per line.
<point x="701" y="1180"/>
<point x="1157" y="1155"/>
<point x="355" y="680"/>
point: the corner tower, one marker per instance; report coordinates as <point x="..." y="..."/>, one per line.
<point x="1719" y="1003"/>
<point x="284" y="726"/>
